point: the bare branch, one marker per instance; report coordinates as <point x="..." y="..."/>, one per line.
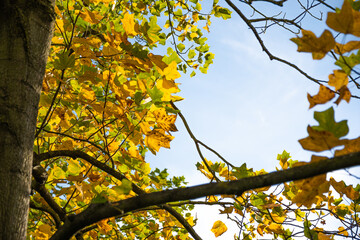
<point x="271" y="56"/>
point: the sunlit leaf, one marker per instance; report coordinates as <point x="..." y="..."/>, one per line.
<point x="327" y="123"/>
<point x="319" y="141"/>
<point x="324" y="95"/>
<point x="218" y="228"/>
<point x="338" y="79"/>
<point x="129" y="24"/>
<point x="317" y="46"/>
<point x="346" y="21"/>
<point x="351" y="146"/>
<point x="341" y="188"/>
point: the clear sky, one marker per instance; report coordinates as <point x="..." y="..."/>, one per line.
<point x="248" y="108"/>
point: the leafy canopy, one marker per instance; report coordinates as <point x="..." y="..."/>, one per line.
<point x="107" y="99"/>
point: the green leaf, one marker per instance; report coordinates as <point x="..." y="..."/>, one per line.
<point x="327" y="123"/>
<point x="283" y="156"/>
<point x="155" y="94"/>
<point x="191" y="54"/>
<point x="310" y="234"/>
<point x="172" y="56"/>
<point x="100" y="198"/>
<point x="124" y="188"/>
<point x="348" y="63"/>
<point x="64" y="60"/>
<point x="74" y="168"/>
<point x="242" y="171"/>
<point x="258" y="200"/>
<point x="181" y="47"/>
<point x="138" y="97"/>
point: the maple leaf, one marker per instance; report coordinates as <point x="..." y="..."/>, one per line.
<point x="327" y="123"/>
<point x="341" y="188"/>
<point x="164" y="121"/>
<point x="324" y="95"/>
<point x="171" y="72"/>
<point x="319" y="141"/>
<point x="156" y="139"/>
<point x="90" y="16"/>
<point x="346" y="21"/>
<point x="317" y="46"/>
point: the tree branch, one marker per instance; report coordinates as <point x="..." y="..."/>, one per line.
<point x="97" y="212"/>
<point x="271" y="56"/>
<point x="79" y="154"/>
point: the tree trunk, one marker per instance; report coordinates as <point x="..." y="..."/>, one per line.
<point x="25" y="35"/>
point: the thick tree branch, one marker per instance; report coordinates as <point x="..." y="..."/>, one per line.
<point x="79" y="154"/>
<point x="41" y="189"/>
<point x="97" y="212"/>
<point x="47" y="209"/>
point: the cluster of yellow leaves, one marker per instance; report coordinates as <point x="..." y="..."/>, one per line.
<point x="107" y="93"/>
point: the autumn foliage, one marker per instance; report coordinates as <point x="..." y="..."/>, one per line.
<point x="108" y="98"/>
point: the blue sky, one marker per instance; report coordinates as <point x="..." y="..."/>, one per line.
<point x="248" y="108"/>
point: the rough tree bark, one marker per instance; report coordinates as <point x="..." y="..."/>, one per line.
<point x="25" y="35"/>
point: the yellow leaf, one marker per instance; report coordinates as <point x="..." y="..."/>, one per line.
<point x="274" y="228"/>
<point x="338" y="79"/>
<point x="74" y="168"/>
<point x="260" y="229"/>
<point x="43" y="232"/>
<point x="346" y="21"/>
<point x="317" y="46"/>
<point x="164" y="121"/>
<point x="341" y="188"/>
<point x="227" y="210"/>
<point x="156" y="139"/>
<point x="324" y="95"/>
<point x="57" y="173"/>
<point x="322" y="236"/>
<point x="65" y="145"/>
<point x="104" y="226"/>
<point x="348" y="47"/>
<point x="344" y="95"/>
<point x="277" y="218"/>
<point x="171" y="72"/>
<point x="157" y="60"/>
<point x="94" y="176"/>
<point x="218" y="228"/>
<point x="307" y="194"/>
<point x="129" y="24"/>
<point x="79" y="187"/>
<point x="343" y="231"/>
<point x="145" y="167"/>
<point x="109" y="50"/>
<point x="351" y="146"/>
<point x="190" y="220"/>
<point x="213" y="199"/>
<point x="319" y="141"/>
<point x="90" y="16"/>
